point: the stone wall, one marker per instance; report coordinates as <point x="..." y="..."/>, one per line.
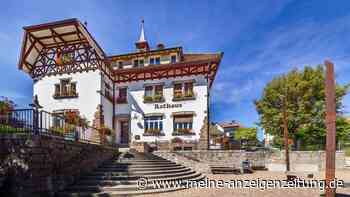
<point x="304" y="161"/>
<point x="42" y="165"/>
<point x="201" y="160"/>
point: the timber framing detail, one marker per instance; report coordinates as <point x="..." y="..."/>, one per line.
<point x="181" y="69"/>
<point x="67" y="47"/>
<point x="44" y="47"/>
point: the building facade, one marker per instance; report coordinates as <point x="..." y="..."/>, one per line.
<point x="147" y="96"/>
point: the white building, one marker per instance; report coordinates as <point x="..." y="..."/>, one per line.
<point x="150" y="95"/>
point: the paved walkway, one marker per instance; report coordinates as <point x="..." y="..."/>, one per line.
<point x="228" y="192"/>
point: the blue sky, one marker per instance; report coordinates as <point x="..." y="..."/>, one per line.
<point x="260" y="39"/>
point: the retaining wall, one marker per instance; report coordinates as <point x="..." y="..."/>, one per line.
<point x="42" y="165"/>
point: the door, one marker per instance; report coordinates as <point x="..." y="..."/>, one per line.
<point x="124" y="131"/>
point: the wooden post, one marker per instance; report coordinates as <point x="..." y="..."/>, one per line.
<point x="285" y="133"/>
<point x="330" y="125"/>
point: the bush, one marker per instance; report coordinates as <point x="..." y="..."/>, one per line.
<point x="10" y="129"/>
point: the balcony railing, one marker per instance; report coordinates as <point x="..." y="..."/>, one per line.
<point x="30" y="121"/>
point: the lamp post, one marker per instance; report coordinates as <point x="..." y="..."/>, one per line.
<point x="36" y="106"/>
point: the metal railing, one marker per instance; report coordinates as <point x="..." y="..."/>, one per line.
<point x="31" y="121"/>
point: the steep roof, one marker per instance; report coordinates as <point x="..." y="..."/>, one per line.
<point x="53" y="34"/>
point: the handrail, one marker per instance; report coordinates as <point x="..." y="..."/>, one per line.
<point x="45" y="123"/>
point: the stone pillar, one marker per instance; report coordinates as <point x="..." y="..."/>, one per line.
<point x="98" y="123"/>
<point x="203" y="139"/>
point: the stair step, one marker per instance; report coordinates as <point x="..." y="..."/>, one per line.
<point x="98" y="186"/>
<point x="118" y="169"/>
<point x="144" y="172"/>
<point x="120" y="176"/>
<point x="142" y="162"/>
<point x="135" y="177"/>
<point x="140" y="166"/>
<point x="115" y="193"/>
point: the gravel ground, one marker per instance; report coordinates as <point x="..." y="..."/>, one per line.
<point x="226" y="192"/>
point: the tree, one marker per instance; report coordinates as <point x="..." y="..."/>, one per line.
<point x="246" y="135"/>
<point x="6" y="105"/>
<point x="302" y="93"/>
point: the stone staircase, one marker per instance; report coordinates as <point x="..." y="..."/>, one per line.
<point x="120" y="176"/>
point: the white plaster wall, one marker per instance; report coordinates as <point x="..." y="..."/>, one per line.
<point x="136" y="107"/>
<point x="107" y="104"/>
<point x="88" y="83"/>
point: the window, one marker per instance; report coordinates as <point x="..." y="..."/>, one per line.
<point x="120" y="65"/>
<point x="148" y="91"/>
<point x="153" y="93"/>
<point x="183" y="91"/>
<point x="122" y="95"/>
<point x="114" y="64"/>
<point x="141" y="62"/>
<point x="153" y="125"/>
<point x="65" y="89"/>
<point x="136" y="63"/>
<point x="178" y="90"/>
<point x="108" y="92"/>
<point x="67" y="56"/>
<point x="183" y="124"/>
<point x="173" y="59"/>
<point x="157" y="60"/>
<point x="151" y="60"/>
<point x="159" y="90"/>
<point x="189" y="89"/>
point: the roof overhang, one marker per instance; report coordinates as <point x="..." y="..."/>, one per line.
<point x="207" y="67"/>
<point x="51" y="35"/>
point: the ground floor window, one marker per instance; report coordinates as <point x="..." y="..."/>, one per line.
<point x="153" y="124"/>
<point x="183" y="124"/>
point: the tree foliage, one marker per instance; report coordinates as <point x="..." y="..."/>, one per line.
<point x="302" y="93"/>
<point x="247" y="134"/>
<point x="6" y="105"/>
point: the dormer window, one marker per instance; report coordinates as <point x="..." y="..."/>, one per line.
<point x="151" y="61"/>
<point x="65" y="89"/>
<point x="173" y="59"/>
<point x="141" y="62"/>
<point x="157" y="60"/>
<point x="136" y="63"/>
<point x="120" y="65"/>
